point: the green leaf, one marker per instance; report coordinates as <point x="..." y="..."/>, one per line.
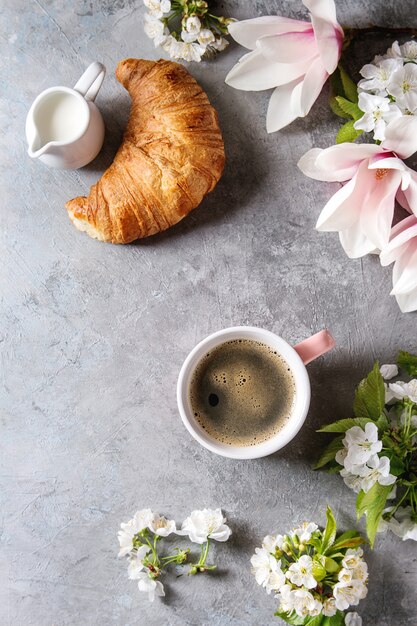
<point x="331" y="565"/>
<point x="319" y="572"/>
<point x="383" y="423"/>
<point x="347" y="133"/>
<point x="336" y="108"/>
<point x="336" y="85"/>
<point x="370" y="395"/>
<point x="341" y="426"/>
<point x="372" y="503"/>
<point x="408" y="362"/>
<point x="329" y="534"/>
<point x="397" y="466"/>
<point x="330" y="452"/>
<point x="291" y="618"/>
<point x="349" y="539"/>
<point x="315" y="621"/>
<point x="351" y="108"/>
<point x="349" y="87"/>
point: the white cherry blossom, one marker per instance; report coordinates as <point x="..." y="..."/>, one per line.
<point x="136" y="562"/>
<point x="378" y="112"/>
<point x="378" y="76"/>
<point x="401" y="390"/>
<point x="205" y="524"/>
<point x="345" y="575"/>
<point x="300" y="573"/>
<point x="305" y="603"/>
<point x="286" y="598"/>
<point x="353" y="558"/>
<point x="388" y="371"/>
<point x="353" y="481"/>
<point x="139" y="522"/>
<point x="267" y="570"/>
<point x="157" y="8"/>
<point x="162" y="526"/>
<point x="205" y="37"/>
<point x="376" y="470"/>
<point x="361" y="444"/>
<point x="341" y="456"/>
<point x="409" y="51"/>
<point x="272" y="542"/>
<point x="305" y="531"/>
<point x="403" y="87"/>
<point x="329" y="607"/>
<point x="156" y="30"/>
<point x="150" y="586"/>
<point x="360" y="572"/>
<point x="349" y="594"/>
<point x="353" y="619"/>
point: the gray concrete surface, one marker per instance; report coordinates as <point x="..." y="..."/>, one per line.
<point x="93" y="336"/>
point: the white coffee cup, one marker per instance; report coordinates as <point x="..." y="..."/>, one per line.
<point x="297" y="358"/>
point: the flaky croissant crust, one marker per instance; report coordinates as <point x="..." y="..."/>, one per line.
<point x="171" y="156"/>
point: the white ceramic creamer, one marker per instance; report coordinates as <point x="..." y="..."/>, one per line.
<point x="64" y="127"/>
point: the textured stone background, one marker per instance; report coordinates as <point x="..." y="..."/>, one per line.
<point x="93" y="335"/>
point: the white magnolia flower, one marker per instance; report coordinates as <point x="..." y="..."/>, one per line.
<point x="205" y="524"/>
<point x="401" y="390"/>
<point x="157" y="8"/>
<point x="353" y="619"/>
<point x="305" y="603"/>
<point x="156" y="30"/>
<point x="150" y="586"/>
<point x="300" y="573"/>
<point x="388" y="371"/>
<point x="353" y="481"/>
<point x="376" y="470"/>
<point x="353" y="558"/>
<point x="139" y="522"/>
<point x="345" y="575"/>
<point x="377" y="77"/>
<point x="403" y="87"/>
<point x="329" y="607"/>
<point x="378" y="112"/>
<point x="361" y="444"/>
<point x="205" y="37"/>
<point x="349" y="594"/>
<point x="136" y="562"/>
<point x="162" y="526"/>
<point x="305" y="531"/>
<point x="286" y="598"/>
<point x="272" y="542"/>
<point x="267" y="570"/>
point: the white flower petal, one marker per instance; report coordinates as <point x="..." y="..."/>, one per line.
<point x="283" y="106"/>
<point x="288" y="47"/>
<point x="246" y="32"/>
<point x="401" y="136"/>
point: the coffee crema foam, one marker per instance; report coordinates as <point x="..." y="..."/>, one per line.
<point x="242" y="392"/>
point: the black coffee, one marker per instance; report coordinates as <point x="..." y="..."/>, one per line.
<point x="242" y="392"/>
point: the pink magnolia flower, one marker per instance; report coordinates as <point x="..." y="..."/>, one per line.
<point x="362" y="210"/>
<point x="294" y="56"/>
<point x="402" y="250"/>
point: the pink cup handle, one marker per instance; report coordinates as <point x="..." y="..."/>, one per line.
<point x="315" y="346"/>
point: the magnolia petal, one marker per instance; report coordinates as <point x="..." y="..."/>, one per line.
<point x="387" y="163"/>
<point x="410" y="194"/>
<point x="400" y="236"/>
<point x="378" y="209"/>
<point x="354" y="242"/>
<point x="254" y="73"/>
<point x="283" y="106"/>
<point x="341" y="162"/>
<point x="401" y="136"/>
<point x="312" y="85"/>
<point x="288" y="47"/>
<point x="329" y="43"/>
<point x="323" y="9"/>
<point x="404" y="276"/>
<point x="336" y="215"/>
<point x="247" y="32"/>
<point x="407" y="302"/>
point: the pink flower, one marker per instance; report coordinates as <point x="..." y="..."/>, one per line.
<point x="294" y="56"/>
<point x="402" y="250"/>
<point x="362" y="210"/>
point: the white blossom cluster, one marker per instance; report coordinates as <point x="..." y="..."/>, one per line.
<point x="294" y="583"/>
<point x="362" y="467"/>
<point x="191" y="44"/>
<point x="134" y="540"/>
<point x="388" y="89"/>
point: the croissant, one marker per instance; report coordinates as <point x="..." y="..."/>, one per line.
<point x="171" y="156"/>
